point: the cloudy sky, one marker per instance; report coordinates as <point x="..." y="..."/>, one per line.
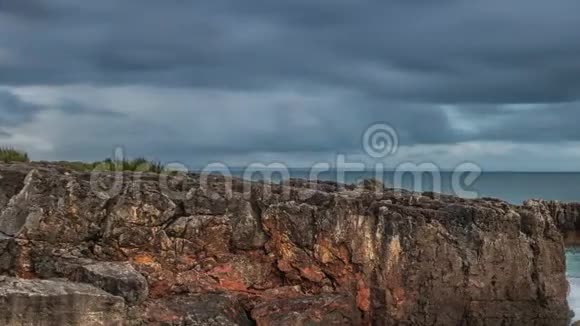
<point x="488" y="81"/>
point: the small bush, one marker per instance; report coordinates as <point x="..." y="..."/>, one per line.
<point x="9" y="154"/>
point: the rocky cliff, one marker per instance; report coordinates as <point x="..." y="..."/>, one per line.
<point x="565" y="215"/>
<point x="216" y="251"/>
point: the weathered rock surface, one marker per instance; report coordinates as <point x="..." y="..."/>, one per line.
<point x="316" y="310"/>
<point x="323" y="253"/>
<point x="210" y="309"/>
<point x="53" y="302"/>
<point x="566" y="215"/>
<point x="120" y="279"/>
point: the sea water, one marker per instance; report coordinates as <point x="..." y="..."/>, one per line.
<point x="514" y="187"/>
<point x="573" y="275"/>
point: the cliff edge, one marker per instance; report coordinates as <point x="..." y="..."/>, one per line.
<point x="140" y="249"/>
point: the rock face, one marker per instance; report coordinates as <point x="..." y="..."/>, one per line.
<point x="566" y="215"/>
<point x="209" y="250"/>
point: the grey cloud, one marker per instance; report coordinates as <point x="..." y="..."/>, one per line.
<point x="14" y="111"/>
<point x="216" y="123"/>
<point x="484" y="51"/>
<point x="28" y="8"/>
<point x="531" y="123"/>
<point x="395" y="61"/>
<point x="71" y="107"/>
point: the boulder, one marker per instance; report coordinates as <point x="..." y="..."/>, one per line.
<point x="119" y="279"/>
<point x="57" y="302"/>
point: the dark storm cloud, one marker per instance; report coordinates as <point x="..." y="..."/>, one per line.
<point x="14" y="111"/>
<point x="452" y="52"/>
<point x="394" y="61"/>
<point x="528" y="123"/>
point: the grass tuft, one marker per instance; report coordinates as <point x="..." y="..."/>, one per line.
<point x="9" y="154"/>
<point x="139" y="164"/>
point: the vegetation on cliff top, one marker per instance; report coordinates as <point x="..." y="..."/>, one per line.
<point x="9" y="154"/>
<point x="140" y="164"/>
<point x="136" y="165"/>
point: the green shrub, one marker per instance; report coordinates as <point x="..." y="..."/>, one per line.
<point x="9" y="154"/>
<point x="135" y="165"/>
<point x="140" y="164"/>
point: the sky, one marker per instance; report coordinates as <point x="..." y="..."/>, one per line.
<point x="492" y="82"/>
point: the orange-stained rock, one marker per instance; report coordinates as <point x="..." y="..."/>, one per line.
<point x="144" y="259"/>
<point x="363" y="297"/>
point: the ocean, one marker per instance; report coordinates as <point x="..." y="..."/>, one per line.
<point x="573" y="275"/>
<point x="513" y="187"/>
